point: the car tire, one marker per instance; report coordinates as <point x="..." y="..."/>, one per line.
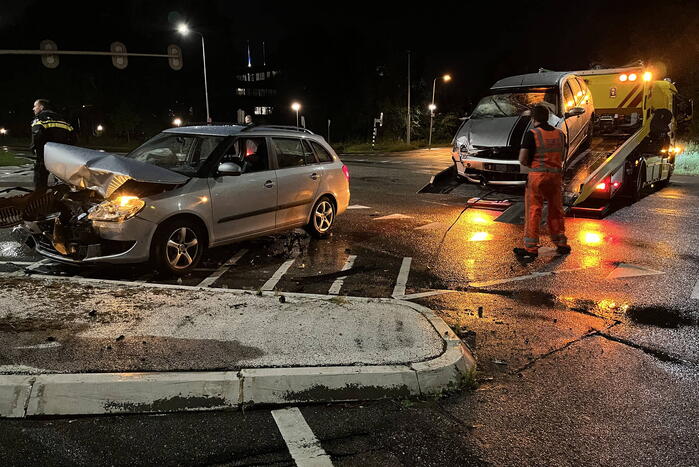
<point x="178" y="246"/>
<point x="322" y="218"/>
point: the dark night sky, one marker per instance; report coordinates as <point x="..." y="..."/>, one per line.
<point x="345" y="61"/>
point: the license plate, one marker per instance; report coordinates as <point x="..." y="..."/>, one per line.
<point x="502" y="168"/>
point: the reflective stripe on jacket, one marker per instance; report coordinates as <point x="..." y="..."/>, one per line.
<point x="550" y="146"/>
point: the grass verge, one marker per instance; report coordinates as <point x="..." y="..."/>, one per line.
<point x="8" y="158"/>
<point x="687" y="163"/>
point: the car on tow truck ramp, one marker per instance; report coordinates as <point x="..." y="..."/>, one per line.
<point x="183" y="191"/>
<point x="486" y="146"/>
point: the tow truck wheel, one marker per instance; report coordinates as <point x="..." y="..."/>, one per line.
<point x="637" y="181"/>
<point x="178" y="246"/>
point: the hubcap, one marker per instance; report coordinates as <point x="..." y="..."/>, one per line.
<point x="182" y="248"/>
<point x="323" y="216"/>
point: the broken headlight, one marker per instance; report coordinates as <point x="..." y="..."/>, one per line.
<point x="117" y="210"/>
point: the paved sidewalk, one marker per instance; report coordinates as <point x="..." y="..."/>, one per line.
<point x="100" y="347"/>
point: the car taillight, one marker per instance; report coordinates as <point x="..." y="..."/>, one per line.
<point x="345" y="171"/>
<point x="601" y="186"/>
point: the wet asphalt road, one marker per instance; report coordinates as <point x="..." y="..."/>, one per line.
<point x="579" y="363"/>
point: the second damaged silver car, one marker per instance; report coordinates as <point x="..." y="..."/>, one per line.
<point x="486" y="146"/>
<point x="183" y="191"/>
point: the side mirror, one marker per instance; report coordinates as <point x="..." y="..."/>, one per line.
<point x="229" y="168"/>
<point x="574" y="112"/>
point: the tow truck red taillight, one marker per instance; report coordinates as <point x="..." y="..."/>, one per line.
<point x="345" y="171"/>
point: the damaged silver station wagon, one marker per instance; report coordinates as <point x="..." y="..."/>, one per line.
<point x="182" y="191"/>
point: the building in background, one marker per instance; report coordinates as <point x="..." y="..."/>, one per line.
<point x="256" y="87"/>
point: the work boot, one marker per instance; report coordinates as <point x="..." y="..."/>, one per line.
<point x="563" y="249"/>
<point x="522" y="253"/>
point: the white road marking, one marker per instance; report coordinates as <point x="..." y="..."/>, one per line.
<point x="625" y="270"/>
<point x="222" y="270"/>
<point x="522" y="278"/>
<point x="436" y="202"/>
<point x="276" y="277"/>
<point x="303" y="446"/>
<point x="695" y="291"/>
<point x="337" y="285"/>
<point x="431" y="226"/>
<point x="47" y="345"/>
<point x="358" y="206"/>
<point x="38" y="264"/>
<point x="392" y="216"/>
<point x="431" y="293"/>
<point x="402" y="280"/>
<point x="18" y="263"/>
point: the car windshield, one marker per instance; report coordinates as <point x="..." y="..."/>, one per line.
<point x="512" y="104"/>
<point x="184" y="154"/>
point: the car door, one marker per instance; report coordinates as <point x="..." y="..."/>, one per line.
<point x="587" y="104"/>
<point x="298" y="177"/>
<point x="244" y="205"/>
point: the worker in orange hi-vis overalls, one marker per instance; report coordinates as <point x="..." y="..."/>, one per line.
<point x="543" y="150"/>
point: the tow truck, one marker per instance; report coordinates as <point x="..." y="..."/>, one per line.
<point x="637" y="120"/>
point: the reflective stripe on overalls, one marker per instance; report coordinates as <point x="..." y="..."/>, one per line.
<point x="544" y="184"/>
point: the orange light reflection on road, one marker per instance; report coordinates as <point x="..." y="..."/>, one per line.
<point x="480" y="237"/>
<point x="591" y="238"/>
<point x="474" y="216"/>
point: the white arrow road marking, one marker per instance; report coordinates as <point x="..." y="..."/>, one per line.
<point x="276" y="277"/>
<point x="431" y="226"/>
<point x="393" y="216"/>
<point x="303" y="446"/>
<point x="625" y="270"/>
<point x="695" y="291"/>
<point x="399" y="289"/>
<point x="337" y="285"/>
<point x="222" y="270"/>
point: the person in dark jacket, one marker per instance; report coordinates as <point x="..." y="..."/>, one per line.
<point x="47" y="126"/>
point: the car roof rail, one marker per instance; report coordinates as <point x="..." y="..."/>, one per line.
<point x="278" y="127"/>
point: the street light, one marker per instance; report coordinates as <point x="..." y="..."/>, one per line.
<point x="100" y="128"/>
<point x="3" y="131"/>
<point x="296" y="107"/>
<point x="446" y="79"/>
<point x="177" y="121"/>
<point x="184" y="30"/>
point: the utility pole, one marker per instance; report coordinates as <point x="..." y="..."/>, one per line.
<point x="408" y="121"/>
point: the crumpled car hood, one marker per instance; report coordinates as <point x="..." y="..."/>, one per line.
<point x="101" y="171"/>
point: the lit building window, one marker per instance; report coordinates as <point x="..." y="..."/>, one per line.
<point x="263" y="110"/>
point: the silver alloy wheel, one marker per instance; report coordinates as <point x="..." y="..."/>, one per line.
<point x="182" y="247"/>
<point x="323" y="216"/>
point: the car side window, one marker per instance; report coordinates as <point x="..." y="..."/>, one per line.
<point x="577" y="91"/>
<point x="206" y="146"/>
<point x="568" y="99"/>
<point x="322" y="153"/>
<point x="308" y="153"/>
<point x="249" y="153"/>
<point x="290" y="152"/>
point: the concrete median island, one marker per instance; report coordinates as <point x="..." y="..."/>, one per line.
<point x="91" y="347"/>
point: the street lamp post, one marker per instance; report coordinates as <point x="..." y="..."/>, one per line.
<point x="296" y="107"/>
<point x="184" y="30"/>
<point x="432" y="107"/>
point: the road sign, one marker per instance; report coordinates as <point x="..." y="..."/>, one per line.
<point x="119" y="61"/>
<point x="49" y="61"/>
<point x="175" y="54"/>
